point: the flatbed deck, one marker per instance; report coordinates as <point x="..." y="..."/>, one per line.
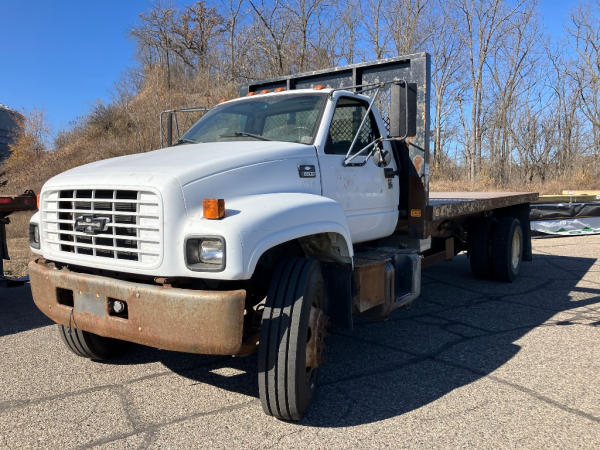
<point x="448" y="205"/>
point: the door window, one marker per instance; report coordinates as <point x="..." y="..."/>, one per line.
<point x="347" y="117"/>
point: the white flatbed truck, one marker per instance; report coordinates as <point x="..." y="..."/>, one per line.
<point x="292" y="208"/>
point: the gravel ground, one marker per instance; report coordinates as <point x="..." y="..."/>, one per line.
<point x="471" y="364"/>
<point x="20" y="255"/>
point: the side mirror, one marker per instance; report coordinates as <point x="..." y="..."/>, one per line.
<point x="381" y="157"/>
<point x="403" y="110"/>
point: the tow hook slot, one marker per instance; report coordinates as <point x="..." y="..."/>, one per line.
<point x="64" y="297"/>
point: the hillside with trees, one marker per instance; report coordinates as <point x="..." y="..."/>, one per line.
<point x="511" y="106"/>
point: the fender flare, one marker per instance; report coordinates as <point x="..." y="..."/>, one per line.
<point x="297" y="216"/>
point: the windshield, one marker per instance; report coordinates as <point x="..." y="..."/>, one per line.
<point x="289" y="118"/>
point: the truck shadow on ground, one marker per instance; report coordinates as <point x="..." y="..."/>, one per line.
<point x="460" y="330"/>
<point x="18" y="312"/>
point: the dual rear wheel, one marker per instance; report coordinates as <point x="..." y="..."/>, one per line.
<point x="496" y="249"/>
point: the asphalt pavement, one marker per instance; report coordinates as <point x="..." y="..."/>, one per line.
<point x="471" y="364"/>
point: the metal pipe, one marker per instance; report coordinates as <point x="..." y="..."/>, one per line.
<point x="170" y="129"/>
<point x="362" y="123"/>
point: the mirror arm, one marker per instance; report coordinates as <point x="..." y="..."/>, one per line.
<point x="370" y="144"/>
<point x="362" y="123"/>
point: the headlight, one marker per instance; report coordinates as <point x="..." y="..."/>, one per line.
<point x="205" y="253"/>
<point x="34" y="235"/>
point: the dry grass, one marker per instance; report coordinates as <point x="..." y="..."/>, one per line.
<point x="554" y="186"/>
<point x="20" y="255"/>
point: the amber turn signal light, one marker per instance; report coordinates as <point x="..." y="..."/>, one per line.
<point x="214" y="208"/>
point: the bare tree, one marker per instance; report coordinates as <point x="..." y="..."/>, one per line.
<point x="277" y="27"/>
<point x="303" y="13"/>
<point x="234" y="8"/>
<point x="193" y="33"/>
<point x="154" y="37"/>
<point x="446" y="77"/>
<point x="373" y="12"/>
<point x="565" y="97"/>
<point x="410" y="24"/>
<point x="481" y="23"/>
<point x="585" y="32"/>
<point x="348" y="14"/>
<point x="533" y="134"/>
<point x="511" y="67"/>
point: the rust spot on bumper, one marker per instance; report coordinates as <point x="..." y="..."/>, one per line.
<point x="185" y="320"/>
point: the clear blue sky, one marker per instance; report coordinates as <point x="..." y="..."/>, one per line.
<point x="63" y="56"/>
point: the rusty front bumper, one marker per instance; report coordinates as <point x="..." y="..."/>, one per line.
<point x="185" y="320"/>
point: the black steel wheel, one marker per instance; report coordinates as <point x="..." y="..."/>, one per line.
<point x="507" y="249"/>
<point x="292" y="339"/>
<point x="90" y="345"/>
<point x="480" y="255"/>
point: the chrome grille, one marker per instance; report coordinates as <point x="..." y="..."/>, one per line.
<point x="122" y="225"/>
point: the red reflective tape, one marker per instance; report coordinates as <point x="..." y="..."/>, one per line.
<point x="5" y="200"/>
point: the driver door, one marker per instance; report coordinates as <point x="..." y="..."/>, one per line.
<point x="369" y="199"/>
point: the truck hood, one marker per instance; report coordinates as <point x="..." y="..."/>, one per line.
<point x="186" y="163"/>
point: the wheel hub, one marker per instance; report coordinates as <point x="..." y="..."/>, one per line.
<point x="315" y="347"/>
<point x="515" y="250"/>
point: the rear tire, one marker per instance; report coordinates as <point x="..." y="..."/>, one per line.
<point x="480" y="259"/>
<point x="90" y="345"/>
<point x="507" y="249"/>
<point x="291" y="339"/>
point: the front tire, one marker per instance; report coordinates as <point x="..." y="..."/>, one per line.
<point x="292" y="339"/>
<point x="90" y="345"/>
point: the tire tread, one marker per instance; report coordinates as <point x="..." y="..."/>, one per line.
<point x="285" y="311"/>
<point x="89" y="345"/>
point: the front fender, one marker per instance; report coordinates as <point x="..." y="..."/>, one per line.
<point x="254" y="224"/>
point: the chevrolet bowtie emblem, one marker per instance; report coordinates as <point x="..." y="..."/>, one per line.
<point x="89" y="224"/>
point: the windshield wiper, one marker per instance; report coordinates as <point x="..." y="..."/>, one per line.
<point x="184" y="141"/>
<point x="243" y="133"/>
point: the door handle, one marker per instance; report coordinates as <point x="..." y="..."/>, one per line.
<point x="388" y="172"/>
